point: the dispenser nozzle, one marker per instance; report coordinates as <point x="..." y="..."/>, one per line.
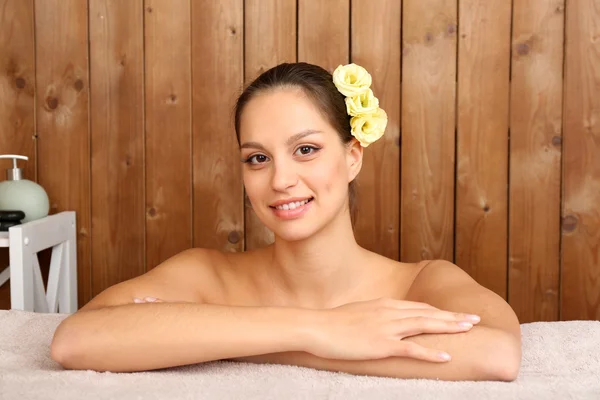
<point x="14" y="173"/>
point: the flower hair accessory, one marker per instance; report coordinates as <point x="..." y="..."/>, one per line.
<point x="368" y="121"/>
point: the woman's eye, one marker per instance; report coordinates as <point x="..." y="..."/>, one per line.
<point x="256" y="159"/>
<point x="306" y="150"/>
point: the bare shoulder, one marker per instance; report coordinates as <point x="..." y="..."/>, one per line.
<point x="393" y="278"/>
<point x="231" y="278"/>
<point x="198" y="272"/>
<point x="436" y="277"/>
<point x="180" y="278"/>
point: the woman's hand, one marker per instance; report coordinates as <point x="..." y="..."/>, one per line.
<point x="374" y="329"/>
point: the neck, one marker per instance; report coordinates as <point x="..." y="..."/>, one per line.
<point x="322" y="270"/>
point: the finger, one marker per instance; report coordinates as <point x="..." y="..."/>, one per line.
<point x="147" y="300"/>
<point x="417" y="325"/>
<point x="442" y="315"/>
<point x="418" y="352"/>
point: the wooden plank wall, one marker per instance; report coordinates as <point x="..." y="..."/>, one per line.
<point x="482" y="107"/>
<point x="580" y="207"/>
<point x="117" y="140"/>
<point x="489" y="159"/>
<point x="535" y="159"/>
<point x="62" y="118"/>
<point x="17" y="96"/>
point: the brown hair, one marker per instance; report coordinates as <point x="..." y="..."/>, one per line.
<point x="318" y="85"/>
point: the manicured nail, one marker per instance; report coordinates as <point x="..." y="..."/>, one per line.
<point x="466" y="325"/>
<point x="150" y="299"/>
<point x="444" y="356"/>
<point x="473" y="317"/>
<point x="136" y="300"/>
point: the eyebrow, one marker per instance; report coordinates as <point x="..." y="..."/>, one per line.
<point x="288" y="142"/>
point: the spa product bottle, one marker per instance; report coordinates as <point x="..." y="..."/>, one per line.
<point x="18" y="193"/>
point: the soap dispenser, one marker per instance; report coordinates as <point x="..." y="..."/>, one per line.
<point x="17" y="193"/>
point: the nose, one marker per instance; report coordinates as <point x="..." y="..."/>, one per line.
<point x="283" y="176"/>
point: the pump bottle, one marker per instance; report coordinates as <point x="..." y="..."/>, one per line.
<point x="18" y="193"/>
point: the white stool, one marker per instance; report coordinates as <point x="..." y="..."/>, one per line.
<point x="26" y="284"/>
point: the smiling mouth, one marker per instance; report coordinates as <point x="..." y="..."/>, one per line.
<point x="292" y="205"/>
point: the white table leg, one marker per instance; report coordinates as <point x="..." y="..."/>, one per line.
<point x="21" y="272"/>
<point x="56" y="270"/>
<point x="39" y="294"/>
<point x="67" y="301"/>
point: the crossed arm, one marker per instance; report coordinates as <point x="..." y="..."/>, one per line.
<point x="491" y="350"/>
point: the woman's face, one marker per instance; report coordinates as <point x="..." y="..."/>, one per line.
<point x="296" y="169"/>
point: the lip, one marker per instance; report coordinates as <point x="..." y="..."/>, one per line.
<point x="292" y="214"/>
<point x="290" y="200"/>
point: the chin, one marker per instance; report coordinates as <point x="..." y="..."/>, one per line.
<point x="292" y="230"/>
<point x="292" y="235"/>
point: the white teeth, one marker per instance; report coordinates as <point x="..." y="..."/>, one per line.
<point x="291" y="206"/>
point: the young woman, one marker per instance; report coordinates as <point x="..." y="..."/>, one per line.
<point x="314" y="298"/>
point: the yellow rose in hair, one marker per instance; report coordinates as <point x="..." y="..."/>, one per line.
<point x="351" y="79"/>
<point x="368" y="128"/>
<point x="364" y="103"/>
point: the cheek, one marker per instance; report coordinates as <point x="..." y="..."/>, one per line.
<point x="331" y="178"/>
<point x="252" y="183"/>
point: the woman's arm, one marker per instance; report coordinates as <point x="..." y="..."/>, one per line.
<point x="139" y="337"/>
<point x="112" y="333"/>
<point x="491" y="350"/>
<point x="489" y="344"/>
<point x="482" y="354"/>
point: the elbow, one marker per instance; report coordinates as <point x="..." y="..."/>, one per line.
<point x="63" y="348"/>
<point x="508" y="372"/>
<point x="58" y="352"/>
<point x="504" y="371"/>
<point x="503" y="359"/>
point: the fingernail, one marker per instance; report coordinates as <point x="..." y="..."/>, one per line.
<point x="473" y="317"/>
<point x="150" y="298"/>
<point x="444" y="356"/>
<point x="136" y="300"/>
<point x="465" y="324"/>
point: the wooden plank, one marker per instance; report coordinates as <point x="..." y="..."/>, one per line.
<point x="17" y="88"/>
<point x="17" y="84"/>
<point x="428" y="130"/>
<point x="217" y="38"/>
<point x="270" y="28"/>
<point x="376" y="46"/>
<point x="168" y="129"/>
<point x="323" y="32"/>
<point x="62" y="118"/>
<point x="117" y="136"/>
<point x="535" y="158"/>
<point x="482" y="141"/>
<point x="580" y="297"/>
